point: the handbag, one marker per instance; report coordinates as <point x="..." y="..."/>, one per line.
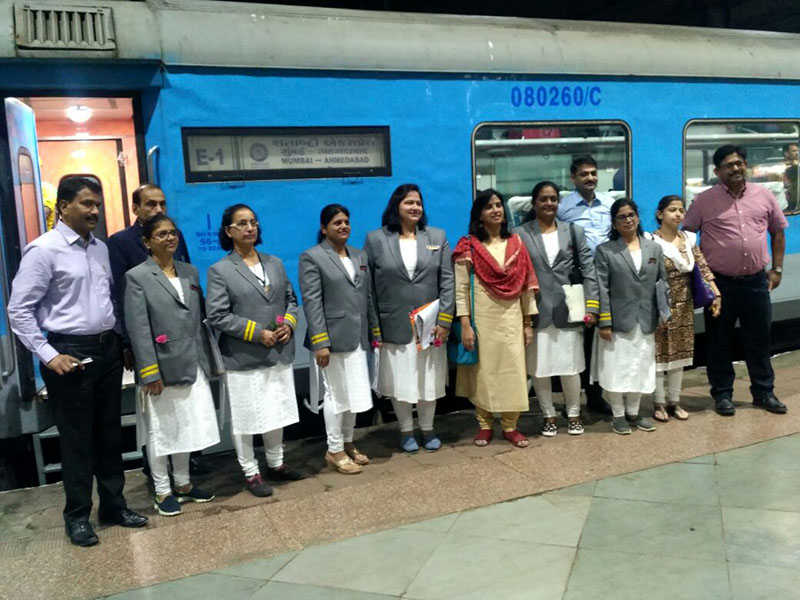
<point x="702" y="294"/>
<point x="663" y="301"/>
<point x="573" y="292"/>
<point x="456" y="353"/>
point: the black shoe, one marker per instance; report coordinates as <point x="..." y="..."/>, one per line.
<point x="769" y="403"/>
<point x="81" y="533"/>
<point x="598" y="406"/>
<point x="724" y="406"/>
<point x="285" y="473"/>
<point x="197" y="467"/>
<point x="124" y="518"/>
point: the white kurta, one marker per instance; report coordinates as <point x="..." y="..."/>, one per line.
<point x="409" y="375"/>
<point x="261" y="399"/>
<point x="555" y="351"/>
<point x="625" y="364"/>
<point x="180" y="419"/>
<point x="346" y="380"/>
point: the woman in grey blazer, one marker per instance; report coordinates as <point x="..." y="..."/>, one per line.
<point x="411" y="267"/>
<point x="337" y="300"/>
<point x="558" y="346"/>
<point x="252" y="304"/>
<point x="628" y="266"/>
<point x="163" y="317"/>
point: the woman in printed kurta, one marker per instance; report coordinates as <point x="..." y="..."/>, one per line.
<point x="675" y="342"/>
<point x="504" y="288"/>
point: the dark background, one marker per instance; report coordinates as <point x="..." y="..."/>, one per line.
<point x="765" y="15"/>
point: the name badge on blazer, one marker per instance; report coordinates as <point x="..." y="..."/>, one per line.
<point x="195" y="288"/>
<point x="363" y="267"/>
<point x="651" y="261"/>
<point x="433" y="247"/>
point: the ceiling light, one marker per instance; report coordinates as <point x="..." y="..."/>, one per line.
<point x="78" y="113"/>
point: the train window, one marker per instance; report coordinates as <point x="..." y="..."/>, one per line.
<point x="257" y="153"/>
<point x="30" y="202"/>
<point x="772" y="155"/>
<point x="513" y="157"/>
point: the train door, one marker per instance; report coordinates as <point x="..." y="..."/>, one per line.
<point x="17" y="228"/>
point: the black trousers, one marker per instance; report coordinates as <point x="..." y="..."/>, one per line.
<point x="86" y="406"/>
<point x="747" y="300"/>
<point x="594" y="393"/>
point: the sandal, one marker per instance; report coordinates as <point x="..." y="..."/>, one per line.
<point x="344" y="464"/>
<point x="660" y="413"/>
<point x="677" y="411"/>
<point x="483" y="437"/>
<point x="516" y="438"/>
<point x="358" y="457"/>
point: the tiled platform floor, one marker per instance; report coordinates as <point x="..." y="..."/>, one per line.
<point x="719" y="526"/>
<point x="36" y="561"/>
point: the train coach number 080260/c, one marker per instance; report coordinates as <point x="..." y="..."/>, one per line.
<point x="567" y="95"/>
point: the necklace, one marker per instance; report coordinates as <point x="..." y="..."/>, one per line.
<point x="168" y="270"/>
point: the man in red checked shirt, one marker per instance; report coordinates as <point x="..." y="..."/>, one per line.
<point x="733" y="218"/>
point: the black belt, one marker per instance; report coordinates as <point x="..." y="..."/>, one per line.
<point x="71" y="338"/>
<point x="738" y="278"/>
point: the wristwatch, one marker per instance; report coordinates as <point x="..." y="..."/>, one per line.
<point x="778" y="270"/>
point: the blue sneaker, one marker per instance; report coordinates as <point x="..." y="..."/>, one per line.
<point x="194" y="495"/>
<point x="168" y="507"/>
<point x="409" y="443"/>
<point x="430" y="442"/>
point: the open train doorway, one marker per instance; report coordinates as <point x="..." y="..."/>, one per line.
<point x="92" y="137"/>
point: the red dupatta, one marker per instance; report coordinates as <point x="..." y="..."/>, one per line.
<point x="507" y="281"/>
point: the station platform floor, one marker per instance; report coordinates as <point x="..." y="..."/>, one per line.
<point x="708" y="508"/>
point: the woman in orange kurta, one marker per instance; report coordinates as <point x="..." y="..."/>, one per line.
<point x="504" y="288"/>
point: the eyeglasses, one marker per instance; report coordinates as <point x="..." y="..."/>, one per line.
<point x="737" y="164"/>
<point x="245" y="224"/>
<point x="626" y="217"/>
<point x="166" y="233"/>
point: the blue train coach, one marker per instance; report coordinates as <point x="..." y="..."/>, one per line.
<point x="288" y="109"/>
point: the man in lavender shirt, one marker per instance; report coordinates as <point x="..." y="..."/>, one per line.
<point x="733" y="218"/>
<point x="63" y="287"/>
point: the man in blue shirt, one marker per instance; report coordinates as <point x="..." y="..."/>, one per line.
<point x="592" y="211"/>
<point x="584" y="206"/>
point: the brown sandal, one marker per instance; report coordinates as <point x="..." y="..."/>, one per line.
<point x="660" y="413"/>
<point x="483" y="437"/>
<point x="516" y="438"/>
<point x="673" y="410"/>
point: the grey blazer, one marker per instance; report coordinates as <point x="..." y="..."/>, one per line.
<point x="339" y="311"/>
<point x="167" y="336"/>
<point x="239" y="308"/>
<point x="628" y="296"/>
<point x="550" y="299"/>
<point x="396" y="294"/>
